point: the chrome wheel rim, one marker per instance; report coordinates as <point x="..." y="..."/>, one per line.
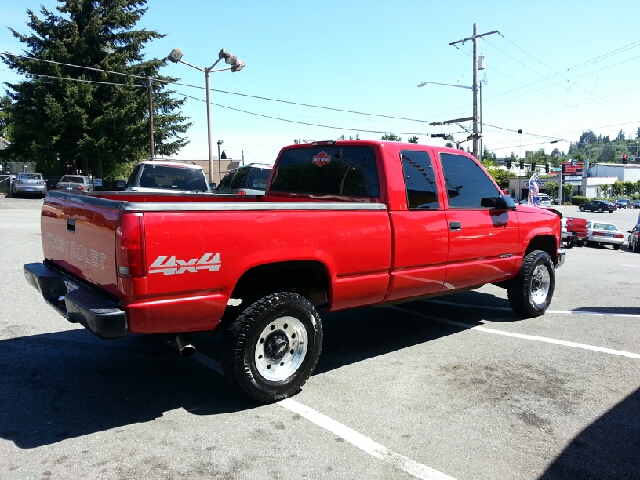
<point x="540" y="285"/>
<point x="281" y="348"/>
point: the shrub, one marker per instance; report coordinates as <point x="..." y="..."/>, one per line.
<point x="579" y="200"/>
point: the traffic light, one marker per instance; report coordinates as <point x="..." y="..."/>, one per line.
<point x="508" y="164"/>
<point x="547" y="167"/>
<point x="521" y="164"/>
<point x="533" y="166"/>
<point x="624" y="158"/>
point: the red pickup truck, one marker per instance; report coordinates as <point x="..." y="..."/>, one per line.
<point x="342" y="224"/>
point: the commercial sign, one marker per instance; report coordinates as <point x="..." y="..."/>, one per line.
<point x="572" y="168"/>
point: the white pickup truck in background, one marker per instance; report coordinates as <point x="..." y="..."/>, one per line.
<point x="167" y="176"/>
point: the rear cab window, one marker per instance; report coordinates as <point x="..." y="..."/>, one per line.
<point x="257" y="178"/>
<point x="328" y="170"/>
<point x="171" y="177"/>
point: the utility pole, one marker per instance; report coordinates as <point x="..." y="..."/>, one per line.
<point x="151" y="140"/>
<point x="475" y="38"/>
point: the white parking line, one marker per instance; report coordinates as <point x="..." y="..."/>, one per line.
<point x="508" y="309"/>
<point x="627" y="265"/>
<point x="398" y="461"/>
<point x="365" y="444"/>
<point x="519" y="335"/>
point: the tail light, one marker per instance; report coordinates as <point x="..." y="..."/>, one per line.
<point x="18" y="182"/>
<point x="130" y="245"/>
<point x="42" y="182"/>
<point x="80" y="187"/>
<point x="598" y="234"/>
<point x="57" y="187"/>
<point x="241" y="192"/>
<point x="618" y="235"/>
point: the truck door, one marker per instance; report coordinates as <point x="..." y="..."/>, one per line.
<point x="420" y="233"/>
<point x="483" y="241"/>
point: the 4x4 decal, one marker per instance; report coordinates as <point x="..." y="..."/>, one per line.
<point x="173" y="266"/>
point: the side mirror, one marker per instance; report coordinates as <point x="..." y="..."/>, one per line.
<point x="503" y="202"/>
<point x="212" y="185"/>
<point x="121" y="184"/>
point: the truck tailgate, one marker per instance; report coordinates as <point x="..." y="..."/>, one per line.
<point x="79" y="236"/>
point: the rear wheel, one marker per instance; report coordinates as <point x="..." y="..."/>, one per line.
<point x="531" y="291"/>
<point x="272" y="348"/>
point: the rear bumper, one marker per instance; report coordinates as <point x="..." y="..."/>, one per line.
<point x="30" y="189"/>
<point x="76" y="302"/>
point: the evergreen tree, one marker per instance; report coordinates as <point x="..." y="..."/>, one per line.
<point x="392" y="137"/>
<point x="62" y="119"/>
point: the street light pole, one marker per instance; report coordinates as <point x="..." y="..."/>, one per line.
<point x="220" y="142"/>
<point x="236" y="65"/>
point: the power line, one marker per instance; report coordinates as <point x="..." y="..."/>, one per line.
<point x="390" y="117"/>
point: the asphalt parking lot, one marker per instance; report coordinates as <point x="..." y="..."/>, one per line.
<point x="454" y="387"/>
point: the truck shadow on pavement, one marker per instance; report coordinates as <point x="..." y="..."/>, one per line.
<point x="608" y="448"/>
<point x="355" y="335"/>
<point x="64" y="385"/>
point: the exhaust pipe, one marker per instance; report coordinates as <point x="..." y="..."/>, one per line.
<point x="185" y="345"/>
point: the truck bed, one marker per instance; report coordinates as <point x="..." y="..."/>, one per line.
<point x="202" y="243"/>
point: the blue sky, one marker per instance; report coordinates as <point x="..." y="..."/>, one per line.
<point x="557" y="68"/>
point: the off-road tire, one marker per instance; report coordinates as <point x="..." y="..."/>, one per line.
<point x="278" y="336"/>
<point x="531" y="290"/>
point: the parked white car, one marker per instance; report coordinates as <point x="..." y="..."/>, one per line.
<point x="601" y="233"/>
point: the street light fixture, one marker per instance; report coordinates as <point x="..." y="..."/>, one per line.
<point x="236" y="65"/>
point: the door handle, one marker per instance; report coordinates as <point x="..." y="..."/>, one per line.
<point x="71" y="224"/>
<point x="454" y="226"/>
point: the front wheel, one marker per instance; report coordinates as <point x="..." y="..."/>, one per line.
<point x="531" y="290"/>
<point x="272" y="348"/>
<point x="600" y="210"/>
<point x="582" y="209"/>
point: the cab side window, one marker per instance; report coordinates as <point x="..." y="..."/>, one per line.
<point x="467" y="184"/>
<point x="420" y="182"/>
